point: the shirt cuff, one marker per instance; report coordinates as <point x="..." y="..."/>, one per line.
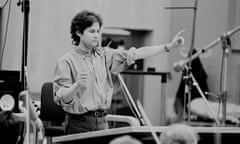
<point x="131" y="56"/>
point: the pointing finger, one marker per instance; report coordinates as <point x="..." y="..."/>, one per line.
<point x="180" y="32"/>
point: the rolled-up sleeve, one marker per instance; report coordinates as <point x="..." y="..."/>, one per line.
<point x="62" y="80"/>
<point x="119" y="60"/>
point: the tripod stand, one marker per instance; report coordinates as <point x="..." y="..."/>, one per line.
<point x="226" y="44"/>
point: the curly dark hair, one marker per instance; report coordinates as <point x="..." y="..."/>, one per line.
<point x="81" y="21"/>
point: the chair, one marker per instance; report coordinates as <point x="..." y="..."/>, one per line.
<point x="51" y="114"/>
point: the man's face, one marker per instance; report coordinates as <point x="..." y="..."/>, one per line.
<point x="91" y="36"/>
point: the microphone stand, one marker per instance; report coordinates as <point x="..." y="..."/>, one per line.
<point x="139" y="111"/>
<point x="187" y="72"/>
<point x="25" y="9"/>
<point x="130" y="100"/>
<point x="226" y="44"/>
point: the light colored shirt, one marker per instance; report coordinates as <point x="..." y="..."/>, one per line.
<point x="99" y="63"/>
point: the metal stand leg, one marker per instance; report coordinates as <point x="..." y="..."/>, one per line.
<point x="205" y="99"/>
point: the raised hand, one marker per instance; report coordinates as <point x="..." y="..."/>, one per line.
<point x="83" y="80"/>
<point x="177" y="40"/>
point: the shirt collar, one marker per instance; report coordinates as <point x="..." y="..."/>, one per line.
<point x="94" y="51"/>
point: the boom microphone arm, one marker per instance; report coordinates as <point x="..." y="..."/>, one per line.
<point x="179" y="65"/>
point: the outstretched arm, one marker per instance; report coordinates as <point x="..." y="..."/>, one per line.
<point x="147" y="51"/>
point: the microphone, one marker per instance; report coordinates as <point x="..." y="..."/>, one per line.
<point x="179" y="65"/>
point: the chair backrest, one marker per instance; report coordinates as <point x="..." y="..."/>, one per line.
<point x="49" y="110"/>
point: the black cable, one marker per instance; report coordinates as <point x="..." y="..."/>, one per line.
<point x="6" y="32"/>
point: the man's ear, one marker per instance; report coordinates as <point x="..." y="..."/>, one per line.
<point x="78" y="33"/>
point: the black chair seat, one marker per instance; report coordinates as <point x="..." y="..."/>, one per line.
<point x="51" y="114"/>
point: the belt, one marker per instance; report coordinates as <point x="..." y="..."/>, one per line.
<point x="96" y="113"/>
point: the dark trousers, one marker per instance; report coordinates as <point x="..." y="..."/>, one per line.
<point x="85" y="122"/>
